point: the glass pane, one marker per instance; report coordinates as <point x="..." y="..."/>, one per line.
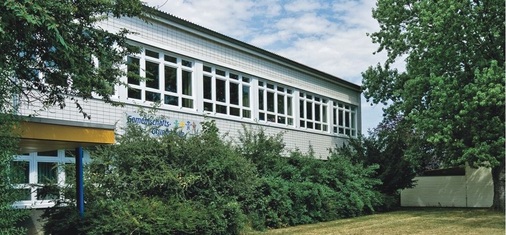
<point x="187" y="83"/>
<point x="186" y="63"/>
<point x="20" y="172"/>
<point x="270" y="101"/>
<point x="341" y="122"/>
<point x="310" y="125"/>
<point x="169" y="58"/>
<point x="271" y="118"/>
<point x="245" y="96"/>
<point x="208" y="90"/>
<point x="151" y="53"/>
<point x="152" y="96"/>
<point x="171" y="100"/>
<point x="235" y="111"/>
<point x="317" y="98"/>
<point x="261" y="99"/>
<point x="134" y="93"/>
<point x="152" y="75"/>
<point x="281" y="120"/>
<point x="170" y="79"/>
<point x="47" y="172"/>
<point x="245" y="79"/>
<point x="234" y="93"/>
<point x="207" y="69"/>
<point x="133" y="68"/>
<point x="220" y="72"/>
<point x="317" y="126"/>
<point x="270" y="86"/>
<point x="261" y="116"/>
<point x="353" y="120"/>
<point x="208" y="106"/>
<point x="325" y="127"/>
<point x="221" y="90"/>
<point x="309" y="110"/>
<point x="70" y="153"/>
<point x="187" y="103"/>
<point x="290" y="121"/>
<point x="246" y="113"/>
<point x="317" y="112"/>
<point x="234" y="76"/>
<point x="309" y="97"/>
<point x="334" y="118"/>
<point x="289" y="106"/>
<point x="341" y="130"/>
<point x="302" y="123"/>
<point x="221" y="109"/>
<point x="281" y="104"/>
<point x="347" y="131"/>
<point x="52" y="153"/>
<point x="70" y="173"/>
<point x="335" y="129"/>
<point x="281" y="89"/>
<point x="346" y="119"/>
<point x="260" y="84"/>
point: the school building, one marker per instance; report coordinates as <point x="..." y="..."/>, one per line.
<point x="194" y="74"/>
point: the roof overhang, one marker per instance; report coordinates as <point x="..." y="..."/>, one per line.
<point x="40" y="134"/>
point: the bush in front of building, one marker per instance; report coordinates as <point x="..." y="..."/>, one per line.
<point x="203" y="184"/>
<point x="301" y="189"/>
<point x="168" y="185"/>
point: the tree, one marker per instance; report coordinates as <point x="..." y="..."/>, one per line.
<point x="51" y="51"/>
<point x="452" y="92"/>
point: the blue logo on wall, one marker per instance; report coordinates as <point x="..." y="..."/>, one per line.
<point x="164" y="126"/>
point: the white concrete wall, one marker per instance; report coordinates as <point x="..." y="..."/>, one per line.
<point x="474" y="189"/>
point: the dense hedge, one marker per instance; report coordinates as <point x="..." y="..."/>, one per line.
<point x="203" y="184"/>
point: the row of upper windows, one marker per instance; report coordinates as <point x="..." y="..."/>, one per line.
<point x="171" y="80"/>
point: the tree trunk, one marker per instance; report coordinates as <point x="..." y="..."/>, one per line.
<point x="498" y="178"/>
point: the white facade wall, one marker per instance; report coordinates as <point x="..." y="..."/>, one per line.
<point x="167" y="36"/>
<point x="474" y="189"/>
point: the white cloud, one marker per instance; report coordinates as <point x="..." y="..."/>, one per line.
<point x="303" y="5"/>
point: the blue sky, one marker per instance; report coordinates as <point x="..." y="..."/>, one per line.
<point x="327" y="35"/>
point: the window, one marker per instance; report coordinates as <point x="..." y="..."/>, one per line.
<point x="312" y="112"/>
<point x="275" y="103"/>
<point x="226" y="92"/>
<point x="31" y="170"/>
<point x="344" y="119"/>
<point x="167" y="79"/>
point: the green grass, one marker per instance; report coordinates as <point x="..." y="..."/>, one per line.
<point x="409" y="221"/>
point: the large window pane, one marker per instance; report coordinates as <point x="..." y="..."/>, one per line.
<point x="208" y="87"/>
<point x="47" y="172"/>
<point x="270" y="101"/>
<point x="133" y="69"/>
<point x="261" y="99"/>
<point x="281" y="104"/>
<point x="289" y="106"/>
<point x="187" y="83"/>
<point x="152" y="75"/>
<point x="317" y="112"/>
<point x="234" y="93"/>
<point x="170" y="79"/>
<point x="221" y="90"/>
<point x="309" y="110"/>
<point x="245" y="96"/>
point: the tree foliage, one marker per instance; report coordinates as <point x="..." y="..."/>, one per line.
<point x="452" y="92"/>
<point x="52" y="50"/>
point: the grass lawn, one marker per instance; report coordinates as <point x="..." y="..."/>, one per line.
<point x="409" y="221"/>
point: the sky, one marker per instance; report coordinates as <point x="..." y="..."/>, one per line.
<point x="328" y="35"/>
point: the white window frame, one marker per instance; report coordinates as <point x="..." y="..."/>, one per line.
<point x="282" y="116"/>
<point x="181" y="65"/>
<point x="210" y="104"/>
<point x="345" y="124"/>
<point x="33" y="160"/>
<point x="308" y="100"/>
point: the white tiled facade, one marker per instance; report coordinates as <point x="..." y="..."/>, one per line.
<point x="202" y="47"/>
